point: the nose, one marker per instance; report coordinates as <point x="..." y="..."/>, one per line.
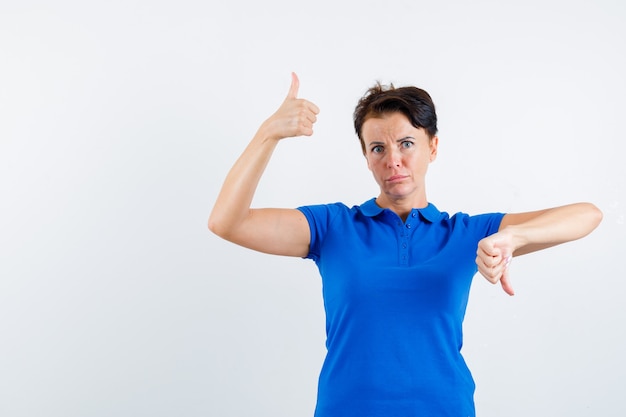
<point x="393" y="159"/>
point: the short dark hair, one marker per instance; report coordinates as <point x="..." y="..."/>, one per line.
<point x="415" y="103"/>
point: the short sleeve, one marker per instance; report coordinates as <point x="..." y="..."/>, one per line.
<point x="320" y="217"/>
<point x="484" y="225"/>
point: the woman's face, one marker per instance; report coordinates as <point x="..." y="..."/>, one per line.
<point x="398" y="155"/>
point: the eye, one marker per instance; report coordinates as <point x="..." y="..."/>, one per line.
<point x="377" y="149"/>
<point x="406" y="144"/>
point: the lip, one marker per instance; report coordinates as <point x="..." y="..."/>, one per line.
<point x="396" y="178"/>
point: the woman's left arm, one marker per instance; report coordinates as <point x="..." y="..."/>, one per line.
<point x="522" y="233"/>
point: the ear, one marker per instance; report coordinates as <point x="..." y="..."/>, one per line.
<point x="434" y="145"/>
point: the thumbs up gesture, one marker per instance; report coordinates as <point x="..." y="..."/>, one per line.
<point x="294" y="117"/>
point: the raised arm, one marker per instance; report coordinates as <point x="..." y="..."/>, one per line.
<point x="276" y="231"/>
<point x="523" y="233"/>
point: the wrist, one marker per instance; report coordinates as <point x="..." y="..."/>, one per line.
<point x="267" y="133"/>
<point x="516" y="236"/>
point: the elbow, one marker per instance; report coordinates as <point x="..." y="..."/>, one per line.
<point x="596" y="215"/>
<point x="590" y="218"/>
<point x="226" y="224"/>
<point x="212" y="225"/>
<point x="215" y="226"/>
<point x="221" y="227"/>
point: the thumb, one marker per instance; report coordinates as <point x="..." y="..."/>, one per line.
<point x="295" y="85"/>
<point x="505" y="281"/>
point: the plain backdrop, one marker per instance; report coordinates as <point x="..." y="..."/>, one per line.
<point x="120" y="119"/>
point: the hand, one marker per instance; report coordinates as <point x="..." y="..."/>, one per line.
<point x="493" y="257"/>
<point x="295" y="117"/>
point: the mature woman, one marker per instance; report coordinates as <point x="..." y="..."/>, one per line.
<point x="396" y="271"/>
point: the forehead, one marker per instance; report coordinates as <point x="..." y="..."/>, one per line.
<point x="389" y="126"/>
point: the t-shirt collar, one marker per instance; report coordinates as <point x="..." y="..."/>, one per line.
<point x="429" y="213"/>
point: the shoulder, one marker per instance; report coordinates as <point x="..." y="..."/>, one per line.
<point x="329" y="209"/>
<point x="337" y="208"/>
<point x="481" y="223"/>
<point x="326" y="220"/>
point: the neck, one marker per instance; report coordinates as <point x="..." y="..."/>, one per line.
<point x="401" y="206"/>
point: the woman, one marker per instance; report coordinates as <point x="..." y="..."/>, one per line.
<point x="396" y="271"/>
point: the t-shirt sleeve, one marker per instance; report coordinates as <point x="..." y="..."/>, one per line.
<point x="320" y="218"/>
<point x="486" y="224"/>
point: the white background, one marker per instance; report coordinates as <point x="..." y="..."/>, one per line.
<point x="120" y="119"/>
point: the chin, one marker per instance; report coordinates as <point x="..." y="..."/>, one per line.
<point x="400" y="192"/>
<point x="396" y="195"/>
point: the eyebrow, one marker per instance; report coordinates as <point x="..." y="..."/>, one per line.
<point x="397" y="140"/>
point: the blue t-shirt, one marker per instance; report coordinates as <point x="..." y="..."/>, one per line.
<point x="395" y="295"/>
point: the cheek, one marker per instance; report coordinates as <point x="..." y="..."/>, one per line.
<point x="419" y="163"/>
<point x="371" y="163"/>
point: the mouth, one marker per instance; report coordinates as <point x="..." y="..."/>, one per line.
<point x="396" y="178"/>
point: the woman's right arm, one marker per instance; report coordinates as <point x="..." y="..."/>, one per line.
<point x="275" y="231"/>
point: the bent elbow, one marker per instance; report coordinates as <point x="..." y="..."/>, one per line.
<point x="222" y="227"/>
<point x="590" y="218"/>
<point x="216" y="227"/>
<point x="212" y="225"/>
<point x="596" y="215"/>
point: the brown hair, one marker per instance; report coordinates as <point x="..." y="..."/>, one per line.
<point x="415" y="103"/>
